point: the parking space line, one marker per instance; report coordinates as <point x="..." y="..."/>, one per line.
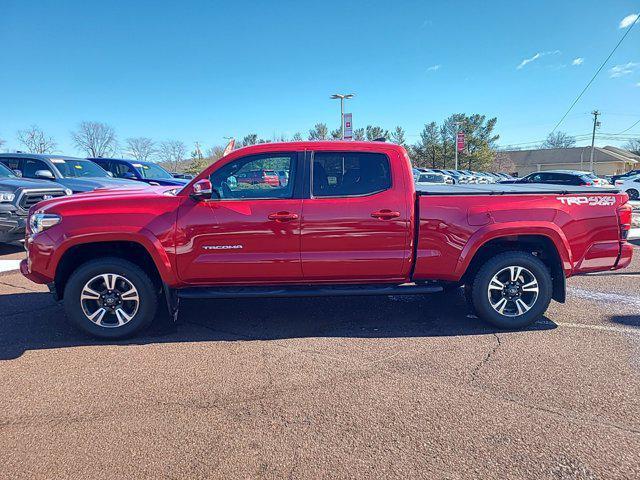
<point x="616" y="298"/>
<point x="9" y="265"/>
<point x="606" y="328"/>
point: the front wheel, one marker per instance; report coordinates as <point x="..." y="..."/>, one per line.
<point x="512" y="290"/>
<point x="110" y="298"/>
<point x="633" y="194"/>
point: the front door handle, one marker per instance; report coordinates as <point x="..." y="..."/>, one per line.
<point x="283" y="216"/>
<point x="385" y="214"/>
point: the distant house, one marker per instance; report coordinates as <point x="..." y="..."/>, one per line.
<point x="606" y="160"/>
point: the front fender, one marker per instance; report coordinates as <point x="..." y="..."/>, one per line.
<point x="138" y="235"/>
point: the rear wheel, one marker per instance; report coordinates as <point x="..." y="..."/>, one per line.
<point x="633" y="194"/>
<point x="110" y="298"/>
<point x="512" y="290"/>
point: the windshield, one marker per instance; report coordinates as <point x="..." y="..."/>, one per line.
<point x="152" y="171"/>
<point x="78" y="168"/>
<point x="5" y="172"/>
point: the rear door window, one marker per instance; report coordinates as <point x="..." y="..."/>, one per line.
<point x="347" y="174"/>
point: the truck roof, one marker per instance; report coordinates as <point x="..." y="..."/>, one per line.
<point x="510" y="189"/>
<point x="320" y="145"/>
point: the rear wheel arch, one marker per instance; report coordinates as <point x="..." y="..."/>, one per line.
<point x="542" y="247"/>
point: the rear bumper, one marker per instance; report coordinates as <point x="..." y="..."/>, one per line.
<point x="626" y="254"/>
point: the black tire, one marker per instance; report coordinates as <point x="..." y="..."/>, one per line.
<point x="633" y="194"/>
<point x="480" y="290"/>
<point x="146" y="294"/>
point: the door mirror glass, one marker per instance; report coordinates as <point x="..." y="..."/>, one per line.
<point x="45" y="174"/>
<point x="110" y="174"/>
<point x="128" y="175"/>
<point x="201" y="190"/>
<point x="18" y="173"/>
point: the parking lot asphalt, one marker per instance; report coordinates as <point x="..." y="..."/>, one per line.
<point x="369" y="387"/>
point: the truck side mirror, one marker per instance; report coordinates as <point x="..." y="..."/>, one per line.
<point x="201" y="190"/>
<point x="44" y="175"/>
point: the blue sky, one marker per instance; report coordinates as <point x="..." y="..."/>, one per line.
<point x="202" y="70"/>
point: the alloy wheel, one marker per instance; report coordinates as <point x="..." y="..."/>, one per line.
<point x="513" y="291"/>
<point x="109" y="300"/>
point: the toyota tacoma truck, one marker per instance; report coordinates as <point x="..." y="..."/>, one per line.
<point x="17" y="195"/>
<point x="349" y="220"/>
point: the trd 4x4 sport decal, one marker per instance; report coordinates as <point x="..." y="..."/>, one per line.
<point x="605" y="201"/>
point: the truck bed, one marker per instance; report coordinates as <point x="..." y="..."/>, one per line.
<point x="511" y="189"/>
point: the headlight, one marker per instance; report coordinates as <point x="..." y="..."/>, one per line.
<point x="41" y="221"/>
<point x="68" y="191"/>
<point x="6" y="197"/>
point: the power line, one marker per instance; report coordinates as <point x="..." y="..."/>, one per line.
<point x="596" y="74"/>
<point x="624" y="131"/>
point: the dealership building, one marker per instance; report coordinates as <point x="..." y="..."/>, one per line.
<point x="606" y="160"/>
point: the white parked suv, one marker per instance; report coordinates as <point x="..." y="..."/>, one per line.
<point x="631" y="185"/>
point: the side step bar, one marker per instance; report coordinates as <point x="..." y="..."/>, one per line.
<point x="283" y="291"/>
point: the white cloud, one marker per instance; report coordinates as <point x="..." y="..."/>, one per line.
<point x="434" y="68"/>
<point x="621" y="70"/>
<point x="577" y="61"/>
<point x="628" y="20"/>
<point x="538" y="55"/>
<point x="528" y="60"/>
<point x="638" y="84"/>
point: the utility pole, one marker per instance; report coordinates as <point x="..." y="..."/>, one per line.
<point x="595" y="114"/>
<point x="342" y="98"/>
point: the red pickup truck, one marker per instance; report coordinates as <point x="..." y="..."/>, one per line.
<point x="348" y="222"/>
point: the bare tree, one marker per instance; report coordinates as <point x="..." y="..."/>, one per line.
<point x="141" y="148"/>
<point x="502" y="163"/>
<point x="172" y="151"/>
<point x="96" y="139"/>
<point x="2" y="142"/>
<point x="559" y="140"/>
<point x="633" y="146"/>
<point x="34" y="140"/>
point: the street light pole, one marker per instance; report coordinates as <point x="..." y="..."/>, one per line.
<point x="342" y="98"/>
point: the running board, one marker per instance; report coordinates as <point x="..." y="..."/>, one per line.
<point x="281" y="291"/>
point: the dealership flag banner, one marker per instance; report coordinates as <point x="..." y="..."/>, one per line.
<point x="348" y="126"/>
<point x="460" y="141"/>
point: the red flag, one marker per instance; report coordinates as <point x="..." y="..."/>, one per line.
<point x="460" y="141"/>
<point x="229" y="147"/>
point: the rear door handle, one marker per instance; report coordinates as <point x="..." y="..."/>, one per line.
<point x="385" y="214"/>
<point x="283" y="216"/>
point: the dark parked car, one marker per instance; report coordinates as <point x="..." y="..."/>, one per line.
<point x="17" y="195"/>
<point x="187" y="176"/>
<point x="624" y="176"/>
<point x="76" y="174"/>
<point x="560" y="177"/>
<point x="148" y="172"/>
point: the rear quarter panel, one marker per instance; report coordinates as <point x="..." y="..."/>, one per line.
<point x="453" y="228"/>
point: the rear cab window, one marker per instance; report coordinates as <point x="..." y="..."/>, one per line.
<point x="348" y="174"/>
